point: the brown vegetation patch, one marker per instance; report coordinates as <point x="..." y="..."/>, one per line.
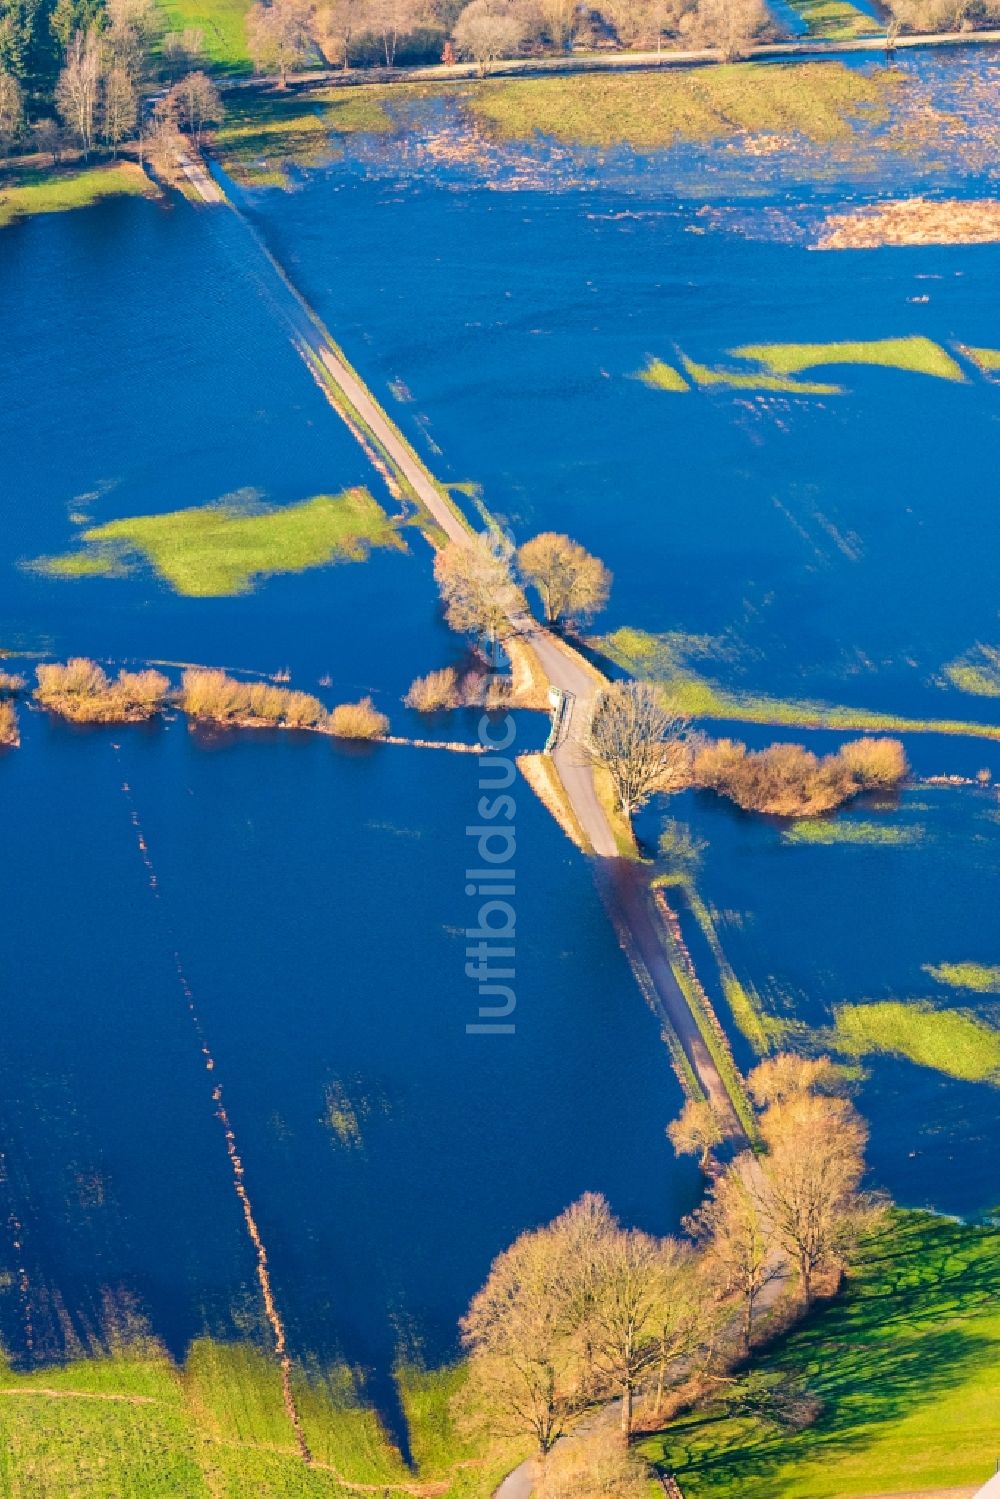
<point x="787" y="780"/>
<point x="213" y="696"/>
<point x="913" y="221"/>
<point x="450" y="688"/>
<point x="360" y="720"/>
<point x="10" y="734"/>
<point x="82" y="691"/>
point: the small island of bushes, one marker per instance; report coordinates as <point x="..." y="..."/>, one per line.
<point x="81" y="691"/>
<point x="10" y="734"/>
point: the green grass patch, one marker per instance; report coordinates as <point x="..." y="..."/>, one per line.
<point x="704" y="375"/>
<point x="661" y="376"/>
<point x="977" y="672"/>
<point x="834" y="20"/>
<point x="906" y="1363"/>
<point x="917" y="354"/>
<point x="981" y="977"/>
<point x="820" y="101"/>
<point x="59" y="192"/>
<point x="659" y="657"/>
<point x="222" y="23"/>
<point x="824" y="831"/>
<point x="987" y="360"/>
<point x="265" y="135"/>
<point x="954" y="1042"/>
<point x="218" y="550"/>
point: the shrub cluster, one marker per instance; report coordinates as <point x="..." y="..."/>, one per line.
<point x="211" y="694"/>
<point x="358" y="721"/>
<point x="787" y="780"/>
<point x="448" y="688"/>
<point x="82" y="691"/>
<point x="9" y="732"/>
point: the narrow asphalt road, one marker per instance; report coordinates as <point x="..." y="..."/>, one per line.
<point x="623" y="883"/>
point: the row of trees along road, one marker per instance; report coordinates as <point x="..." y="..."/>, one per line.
<point x="584" y="1310"/>
<point x="286" y="35"/>
<point x="481" y="583"/>
<point x="73" y="74"/>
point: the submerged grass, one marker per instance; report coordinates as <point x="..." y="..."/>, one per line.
<point x="905" y="1364"/>
<point x="59" y="191"/>
<point x="834" y="20"/>
<point x="977" y="672"/>
<point x="982" y="977"/>
<point x="954" y="1042"/>
<point x="657" y="656"/>
<point x="817" y="100"/>
<point x="915" y="353"/>
<point x="986" y="360"/>
<point x="217" y="550"/>
<point x="827" y="831"/>
<point x="264" y="135"/>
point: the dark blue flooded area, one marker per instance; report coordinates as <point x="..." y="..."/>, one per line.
<point x="299" y="910"/>
<point x="310" y="903"/>
<point x="827" y="546"/>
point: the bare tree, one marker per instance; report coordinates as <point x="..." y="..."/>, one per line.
<point x="740" y="1242"/>
<point x="11" y="110"/>
<point x="198" y="104"/>
<point x="119" y="107"/>
<point x="526" y="1374"/>
<point x="47" y="139"/>
<point x="811" y="1181"/>
<point x="730" y="25"/>
<point x="79" y="86"/>
<point x="788" y="1076"/>
<point x="487" y="30"/>
<point x="635" y="1275"/>
<point x="391" y="21"/>
<point x="132" y="28"/>
<point x="480" y="596"/>
<point x="569" y="581"/>
<point x="279" y="36"/>
<point x="696" y="1131"/>
<point x="641" y="739"/>
<point x="335" y="25"/>
<point x="560" y="19"/>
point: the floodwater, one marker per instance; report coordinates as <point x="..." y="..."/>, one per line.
<point x="834" y="547"/>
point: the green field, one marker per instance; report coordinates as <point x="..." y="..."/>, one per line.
<point x="819" y="101"/>
<point x="906" y="1365"/>
<point x="136" y="1424"/>
<point x="58" y="191"/>
<point x="222" y="22"/>
<point x="216" y="550"/>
